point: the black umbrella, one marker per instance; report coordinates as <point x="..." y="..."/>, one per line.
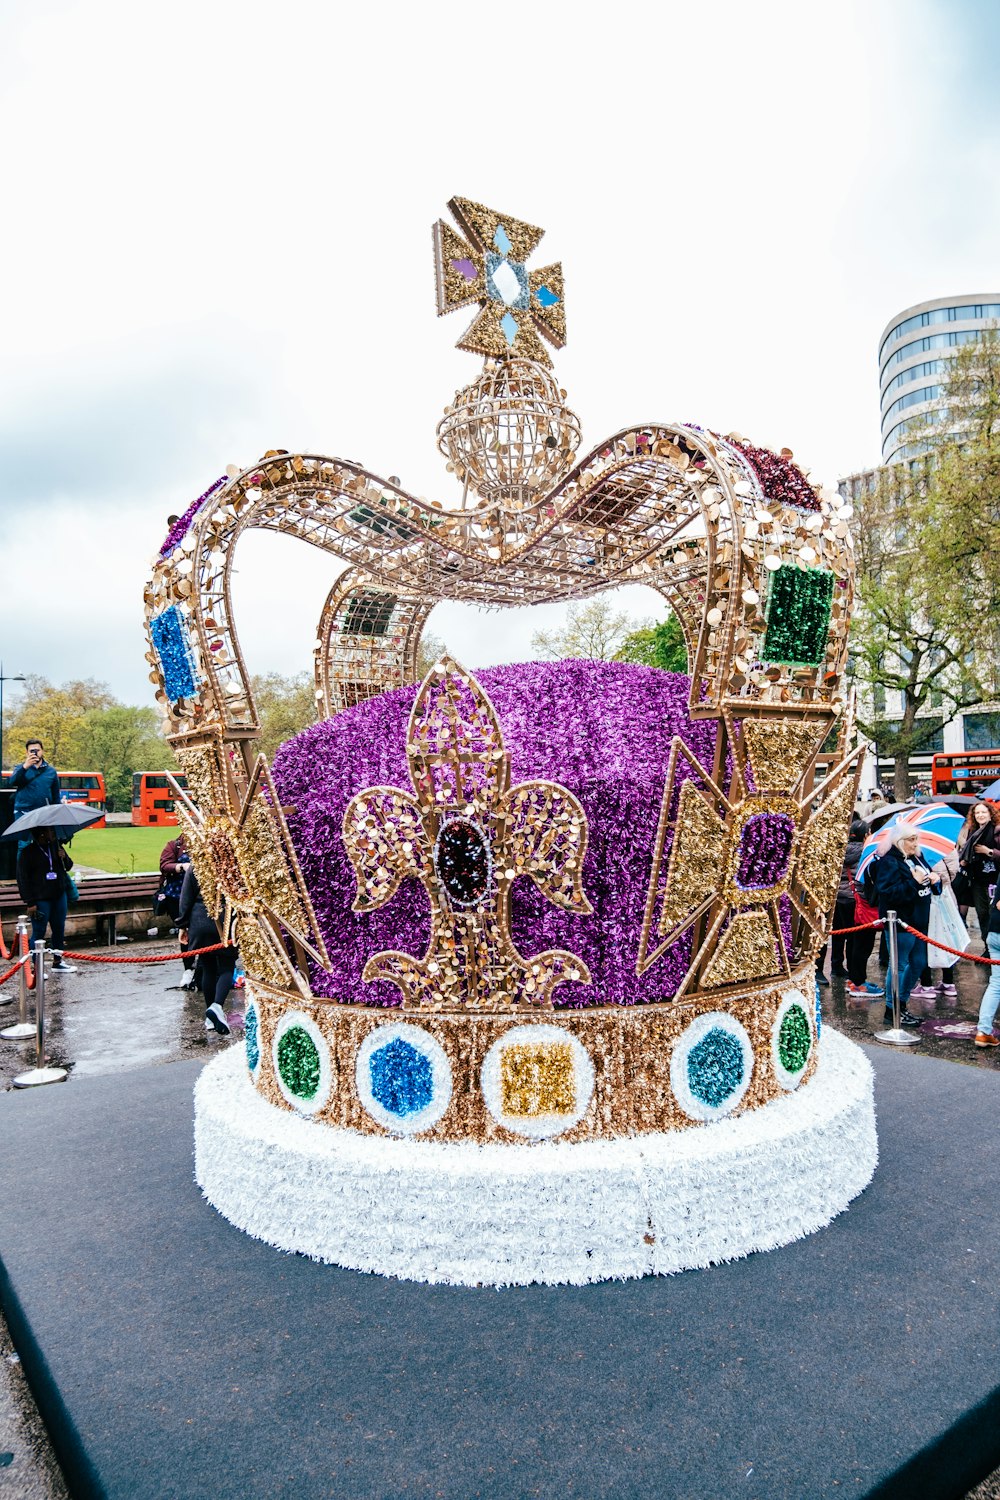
<point x="66" y="818"/>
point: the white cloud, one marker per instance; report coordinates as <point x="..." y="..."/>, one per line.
<point x="217" y="242"/>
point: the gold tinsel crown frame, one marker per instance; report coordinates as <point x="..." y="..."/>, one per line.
<point x="755" y="562"/>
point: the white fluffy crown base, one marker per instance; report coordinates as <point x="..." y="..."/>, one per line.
<point x="497" y="1215"/>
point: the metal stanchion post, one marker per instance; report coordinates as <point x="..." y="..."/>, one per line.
<point x="24" y="1029"/>
<point x="40" y="1073"/>
<point x="895" y="1035"/>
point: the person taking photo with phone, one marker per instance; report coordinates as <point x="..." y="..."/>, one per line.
<point x="35" y="782"/>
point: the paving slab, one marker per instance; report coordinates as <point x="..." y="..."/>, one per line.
<point x="173" y="1356"/>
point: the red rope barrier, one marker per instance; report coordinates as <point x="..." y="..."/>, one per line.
<point x="155" y="958"/>
<point x="11" y="972"/>
<point x="973" y="957"/>
<point x="29" y="972"/>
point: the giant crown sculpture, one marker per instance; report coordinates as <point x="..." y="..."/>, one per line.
<point x="390" y="879"/>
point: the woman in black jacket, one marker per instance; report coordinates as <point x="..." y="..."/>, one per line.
<point x="905" y="884"/>
<point x="198" y="930"/>
<point x="979" y="857"/>
<point x="41" y="880"/>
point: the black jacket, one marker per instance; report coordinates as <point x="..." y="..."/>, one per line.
<point x="899" y="892"/>
<point x="979" y="866"/>
<point x="34" y="865"/>
<point x="194" y="915"/>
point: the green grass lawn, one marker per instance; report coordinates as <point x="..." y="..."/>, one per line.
<point x="120" y="851"/>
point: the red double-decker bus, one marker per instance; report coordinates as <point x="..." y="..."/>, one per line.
<point x="963" y="771"/>
<point x="84" y="786"/>
<point x="153" y="798"/>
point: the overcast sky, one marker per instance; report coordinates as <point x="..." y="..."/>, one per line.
<point x="216" y="241"/>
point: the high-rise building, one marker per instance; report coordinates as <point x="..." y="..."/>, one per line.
<point x="913" y="355"/>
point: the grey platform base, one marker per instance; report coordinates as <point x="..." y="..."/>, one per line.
<point x="173" y="1356"/>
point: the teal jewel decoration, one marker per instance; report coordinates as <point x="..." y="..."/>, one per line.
<point x="799" y="605"/>
<point x="711" y="1066"/>
<point x="172" y="642"/>
<point x="546" y="297"/>
<point x="401" y="1078"/>
<point x="251" y="1037"/>
<point x="715" y="1067"/>
<point x="298" y="1063"/>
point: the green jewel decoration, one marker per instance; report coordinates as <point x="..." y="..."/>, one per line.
<point x="798" y="616"/>
<point x="298" y="1063"/>
<point x="794" y="1040"/>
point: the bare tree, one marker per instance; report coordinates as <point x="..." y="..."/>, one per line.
<point x="594" y="631"/>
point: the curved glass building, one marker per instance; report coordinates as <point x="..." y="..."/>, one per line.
<point x="913" y="354"/>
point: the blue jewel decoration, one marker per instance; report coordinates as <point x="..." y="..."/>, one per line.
<point x="546" y="297"/>
<point x="252" y="1038"/>
<point x="501" y="240"/>
<point x="172" y="642"/>
<point x="509" y="325"/>
<point x="715" y="1067"/>
<point x="401" y="1077"/>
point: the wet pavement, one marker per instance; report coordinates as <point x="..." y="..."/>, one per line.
<point x="111" y="1017"/>
<point x="949" y="1022"/>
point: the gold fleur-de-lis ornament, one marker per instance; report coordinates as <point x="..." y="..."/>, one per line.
<point x="466" y="834"/>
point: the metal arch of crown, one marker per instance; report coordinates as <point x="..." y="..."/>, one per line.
<point x="672" y="506"/>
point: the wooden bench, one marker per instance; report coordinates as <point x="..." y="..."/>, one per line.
<point x="105" y="897"/>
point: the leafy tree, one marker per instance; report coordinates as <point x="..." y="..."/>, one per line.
<point x="928" y="572"/>
<point x="286" y="706"/>
<point x="661" y="645"/>
<point x="119" y="741"/>
<point x="56" y="717"/>
<point x="593" y="631"/>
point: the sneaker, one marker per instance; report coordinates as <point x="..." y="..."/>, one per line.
<point x="215" y="1020"/>
<point x="949" y="989"/>
<point x="855" y="989"/>
<point x="187" y="983"/>
<point x="838" y="973"/>
<point x="923" y="992"/>
<point x="905" y="1018"/>
<point x="987" y="1039"/>
<point x="61" y="967"/>
<point x="874" y="989"/>
<point x="822" y="979"/>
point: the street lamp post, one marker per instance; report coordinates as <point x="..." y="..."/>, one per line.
<point x="18" y="678"/>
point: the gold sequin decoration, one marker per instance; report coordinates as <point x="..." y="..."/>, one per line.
<point x="747" y="950"/>
<point x="537" y="1079"/>
<point x="696" y="858"/>
<point x="205" y="779"/>
<point x="824" y="842"/>
<point x="259" y="958"/>
<point x="779" y="752"/>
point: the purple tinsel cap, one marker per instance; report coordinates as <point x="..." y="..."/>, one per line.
<point x="601" y="729"/>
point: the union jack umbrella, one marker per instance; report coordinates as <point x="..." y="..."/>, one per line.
<point x="937" y="824"/>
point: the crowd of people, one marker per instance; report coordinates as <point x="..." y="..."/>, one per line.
<point x="45" y="884"/>
<point x="899" y="878"/>
<point x="929" y="897"/>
